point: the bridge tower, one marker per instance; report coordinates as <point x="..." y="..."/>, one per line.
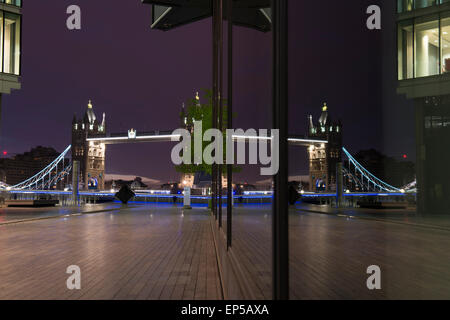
<point x="324" y="158"/>
<point x="91" y="155"/>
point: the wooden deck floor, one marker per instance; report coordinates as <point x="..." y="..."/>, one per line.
<point x="155" y="252"/>
<point x="329" y="256"/>
<point x="139" y="253"/>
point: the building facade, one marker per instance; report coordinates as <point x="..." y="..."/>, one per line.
<point x="91" y="155"/>
<point x="423" y="38"/>
<point x="323" y="158"/>
<point x="10" y="45"/>
<point x="23" y="166"/>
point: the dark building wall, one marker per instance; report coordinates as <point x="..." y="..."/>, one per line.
<point x="433" y="154"/>
<point x="24" y="166"/>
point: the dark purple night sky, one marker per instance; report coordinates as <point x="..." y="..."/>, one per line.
<point x="140" y="77"/>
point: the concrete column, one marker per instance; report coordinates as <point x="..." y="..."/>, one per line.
<point x="75" y="183"/>
<point x="339" y="185"/>
<point x="187" y="198"/>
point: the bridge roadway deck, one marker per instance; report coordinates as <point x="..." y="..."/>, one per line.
<point x="144" y="252"/>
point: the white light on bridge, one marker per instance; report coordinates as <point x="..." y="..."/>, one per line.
<point x="251" y="137"/>
<point x="308" y="141"/>
<point x="155" y="137"/>
<point x="177" y="136"/>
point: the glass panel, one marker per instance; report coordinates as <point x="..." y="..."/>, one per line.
<point x="424" y="3"/>
<point x="252" y="212"/>
<point x="11" y="63"/>
<point x="13" y="2"/>
<point x="158" y="11"/>
<point x="445" y="45"/>
<point x="405" y="50"/>
<point x="404" y="5"/>
<point x="1" y="41"/>
<point x="427" y="48"/>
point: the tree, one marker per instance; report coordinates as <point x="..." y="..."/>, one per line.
<point x="198" y="111"/>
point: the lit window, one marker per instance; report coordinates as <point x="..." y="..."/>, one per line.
<point x="405" y="50"/>
<point x="427" y="47"/>
<point x="424" y="3"/>
<point x="11" y="43"/>
<point x="445" y="45"/>
<point x="17" y="3"/>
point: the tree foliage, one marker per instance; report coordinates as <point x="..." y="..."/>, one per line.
<point x="200" y="109"/>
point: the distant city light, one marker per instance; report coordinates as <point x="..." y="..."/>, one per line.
<point x="5" y="153"/>
<point x="405" y="156"/>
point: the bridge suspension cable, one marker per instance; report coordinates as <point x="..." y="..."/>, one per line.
<point x="49" y="176"/>
<point x="363" y="178"/>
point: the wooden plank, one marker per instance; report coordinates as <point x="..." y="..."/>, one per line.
<point x="136" y="253"/>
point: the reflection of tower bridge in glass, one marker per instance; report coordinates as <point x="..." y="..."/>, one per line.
<point x="323" y="140"/>
<point x="324" y="157"/>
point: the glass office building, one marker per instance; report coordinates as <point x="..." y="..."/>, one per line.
<point x="17" y="3"/>
<point x="423" y="47"/>
<point x="410" y="5"/>
<point x="10" y="44"/>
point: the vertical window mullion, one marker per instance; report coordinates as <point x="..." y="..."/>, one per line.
<point x="20" y="48"/>
<point x="414" y="46"/>
<point x="440" y="44"/>
<point x="3" y="42"/>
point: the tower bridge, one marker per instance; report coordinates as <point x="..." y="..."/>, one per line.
<point x="89" y="141"/>
<point x="323" y="142"/>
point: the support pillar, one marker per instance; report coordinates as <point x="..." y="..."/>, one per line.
<point x="230" y="121"/>
<point x="187" y="198"/>
<point x="339" y="185"/>
<point x="215" y="89"/>
<point x="220" y="103"/>
<point x="280" y="215"/>
<point x="75" y="183"/>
